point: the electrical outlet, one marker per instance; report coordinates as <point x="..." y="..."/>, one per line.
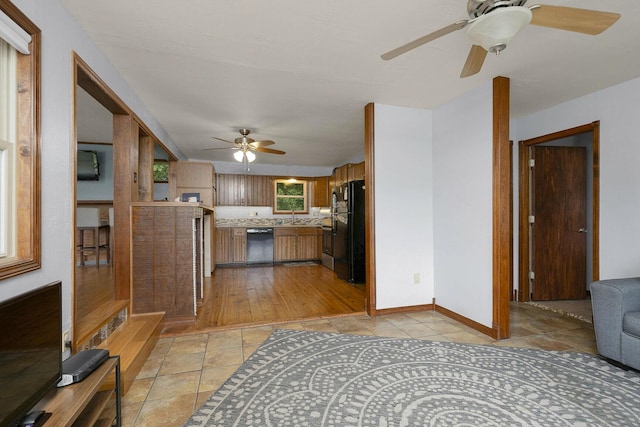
<point x="66" y="339"/>
<point x="416" y="278"/>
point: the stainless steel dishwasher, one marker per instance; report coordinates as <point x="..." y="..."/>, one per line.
<point x="259" y="245"/>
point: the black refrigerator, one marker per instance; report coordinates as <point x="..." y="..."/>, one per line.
<point x="348" y="232"/>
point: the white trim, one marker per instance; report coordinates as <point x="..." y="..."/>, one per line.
<point x="13" y="34"/>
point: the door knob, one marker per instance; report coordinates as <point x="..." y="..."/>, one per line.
<point x="582" y="230"/>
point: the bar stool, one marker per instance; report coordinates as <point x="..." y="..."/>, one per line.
<point x="88" y="222"/>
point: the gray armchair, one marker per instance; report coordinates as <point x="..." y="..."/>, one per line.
<point x="616" y="319"/>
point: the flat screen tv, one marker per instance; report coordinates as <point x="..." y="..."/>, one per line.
<point x="88" y="166"/>
<point x="30" y="350"/>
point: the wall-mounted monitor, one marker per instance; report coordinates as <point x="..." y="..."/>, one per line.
<point x="88" y="166"/>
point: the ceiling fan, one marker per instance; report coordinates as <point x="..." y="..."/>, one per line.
<point x="493" y="23"/>
<point x="245" y="146"/>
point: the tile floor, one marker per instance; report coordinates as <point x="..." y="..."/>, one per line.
<point x="183" y="371"/>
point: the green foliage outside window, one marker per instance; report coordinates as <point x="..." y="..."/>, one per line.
<point x="161" y="171"/>
<point x="290" y="196"/>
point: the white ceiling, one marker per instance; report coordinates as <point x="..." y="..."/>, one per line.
<point x="300" y="72"/>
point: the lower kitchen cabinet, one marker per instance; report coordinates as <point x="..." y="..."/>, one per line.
<point x="231" y="245"/>
<point x="297" y="243"/>
<point x="239" y="245"/>
<point x="284" y="244"/>
<point x="223" y="245"/>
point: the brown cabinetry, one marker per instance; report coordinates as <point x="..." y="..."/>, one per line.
<point x="239" y="245"/>
<point x="321" y="192"/>
<point x="259" y="190"/>
<point x="244" y="190"/>
<point x="355" y="172"/>
<point x="192" y="177"/>
<point x="167" y="259"/>
<point x="231" y="245"/>
<point x="223" y="245"/>
<point x="284" y="244"/>
<point x="297" y="243"/>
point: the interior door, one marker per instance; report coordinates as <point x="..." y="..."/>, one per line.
<point x="558" y="252"/>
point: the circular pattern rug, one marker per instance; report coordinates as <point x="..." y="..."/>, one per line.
<point x="300" y="378"/>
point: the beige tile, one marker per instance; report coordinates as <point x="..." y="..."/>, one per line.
<point x="161" y="348"/>
<point x="212" y="378"/>
<point x="138" y="391"/>
<point x="167" y="386"/>
<point x="223" y="357"/>
<point x="468" y="338"/>
<point x="150" y="368"/>
<point x="225" y="339"/>
<point x="129" y="413"/>
<point x="248" y="350"/>
<point x="189" y="344"/>
<point x="256" y="335"/>
<point x="181" y="363"/>
<point x="169" y="412"/>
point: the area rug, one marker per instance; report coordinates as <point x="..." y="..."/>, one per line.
<point x="300" y="378"/>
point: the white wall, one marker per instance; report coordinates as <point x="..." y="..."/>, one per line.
<point x="403" y="206"/>
<point x="463" y="212"/>
<point x="60" y="36"/>
<point x="618" y="110"/>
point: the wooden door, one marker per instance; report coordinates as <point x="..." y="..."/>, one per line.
<point x="230" y="190"/>
<point x="307" y="243"/>
<point x="239" y="245"/>
<point x="559" y="192"/>
<point x="223" y="245"/>
<point x="259" y="190"/>
<point x="284" y="244"/>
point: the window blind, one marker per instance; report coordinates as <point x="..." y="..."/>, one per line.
<point x="13" y="34"/>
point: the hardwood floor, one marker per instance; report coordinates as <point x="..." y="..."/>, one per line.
<point x="258" y="295"/>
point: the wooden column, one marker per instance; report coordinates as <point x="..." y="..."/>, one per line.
<point x="125" y="171"/>
<point x="369" y="200"/>
<point x="145" y="169"/>
<point x="502" y="209"/>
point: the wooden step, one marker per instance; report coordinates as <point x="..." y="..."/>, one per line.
<point x="92" y="322"/>
<point x="133" y="341"/>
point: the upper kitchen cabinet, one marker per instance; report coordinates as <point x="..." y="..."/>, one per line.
<point x="320" y="192"/>
<point x="244" y="190"/>
<point x="192" y="177"/>
<point x="355" y="172"/>
<point x="347" y="173"/>
<point x="259" y="190"/>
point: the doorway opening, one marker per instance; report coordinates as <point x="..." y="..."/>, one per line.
<point x="559" y="220"/>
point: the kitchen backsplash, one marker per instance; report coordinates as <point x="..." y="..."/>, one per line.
<point x="268" y="222"/>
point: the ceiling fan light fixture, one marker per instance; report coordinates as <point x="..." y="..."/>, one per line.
<point x="494" y="30"/>
<point x="250" y="156"/>
<point x="238" y="155"/>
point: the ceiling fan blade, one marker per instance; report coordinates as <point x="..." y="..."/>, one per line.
<point x="474" y="62"/>
<point x="572" y="19"/>
<point x="220" y="148"/>
<point x="262" y="143"/>
<point x="223" y="140"/>
<point x="424" y="39"/>
<point x="269" y="150"/>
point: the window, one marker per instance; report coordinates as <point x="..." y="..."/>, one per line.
<point x="290" y="195"/>
<point x="160" y="170"/>
<point x="8" y="56"/>
<point x="19" y="142"/>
